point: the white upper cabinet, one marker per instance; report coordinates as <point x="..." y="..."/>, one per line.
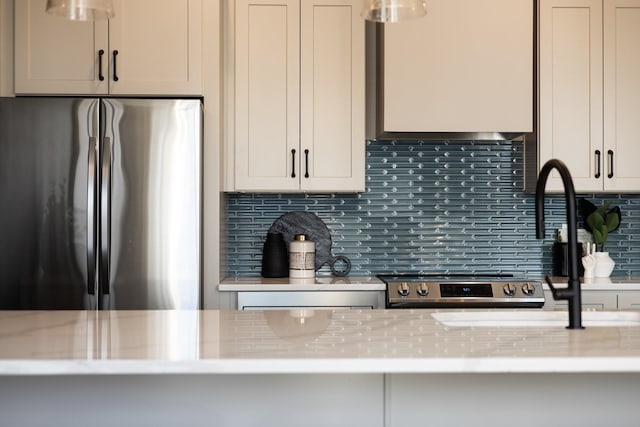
<point x="298" y="68"/>
<point x="150" y="47"/>
<point x="621" y="95"/>
<point x="570" y="85"/>
<point x="467" y="66"/>
<point x="589" y="93"/>
<point x="54" y="55"/>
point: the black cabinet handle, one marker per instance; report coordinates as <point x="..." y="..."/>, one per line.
<point x="610" y="155"/>
<point x="115" y="72"/>
<point x="306" y="163"/>
<point x="597" y="175"/>
<point x="293" y="163"/>
<point x="100" y="55"/>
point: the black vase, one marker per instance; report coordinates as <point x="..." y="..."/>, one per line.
<point x="275" y="258"/>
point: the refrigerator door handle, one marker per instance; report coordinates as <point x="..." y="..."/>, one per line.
<point x="91" y="226"/>
<point x="105" y="217"/>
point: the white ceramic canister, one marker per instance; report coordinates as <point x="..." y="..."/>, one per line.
<point x="302" y="258"/>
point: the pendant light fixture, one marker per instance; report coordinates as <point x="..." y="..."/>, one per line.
<point x="393" y="10"/>
<point x="81" y="10"/>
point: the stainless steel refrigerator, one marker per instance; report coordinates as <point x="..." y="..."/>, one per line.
<point x="100" y="203"/>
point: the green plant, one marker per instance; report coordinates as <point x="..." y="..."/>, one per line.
<point x="600" y="220"/>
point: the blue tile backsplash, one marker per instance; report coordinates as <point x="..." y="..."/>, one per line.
<point x="434" y="206"/>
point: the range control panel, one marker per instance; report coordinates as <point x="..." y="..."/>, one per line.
<point x="461" y="294"/>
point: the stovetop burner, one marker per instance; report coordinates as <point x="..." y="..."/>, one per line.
<point x="461" y="290"/>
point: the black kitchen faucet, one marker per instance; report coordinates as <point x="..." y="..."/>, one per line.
<point x="572" y="292"/>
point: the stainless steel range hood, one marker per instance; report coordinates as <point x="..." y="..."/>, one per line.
<point x="455" y="136"/>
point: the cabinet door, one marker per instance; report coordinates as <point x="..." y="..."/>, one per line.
<point x="629" y="300"/>
<point x="467" y="66"/>
<point x="56" y="56"/>
<point x="159" y="47"/>
<point x="591" y="300"/>
<point x="267" y="100"/>
<point x="570" y="85"/>
<point x="600" y="300"/>
<point x="622" y="94"/>
<point x="309" y="300"/>
<point x="332" y="95"/>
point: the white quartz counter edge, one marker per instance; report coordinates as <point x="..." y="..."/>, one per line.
<point x="365" y="283"/>
<point x="602" y="284"/>
<point x="323" y="366"/>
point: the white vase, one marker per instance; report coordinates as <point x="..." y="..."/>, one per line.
<point x="604" y="264"/>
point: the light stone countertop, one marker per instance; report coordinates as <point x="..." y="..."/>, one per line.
<point x="298" y="341"/>
<point x="320" y="283"/>
<point x="372" y="283"/>
<point x="612" y="283"/>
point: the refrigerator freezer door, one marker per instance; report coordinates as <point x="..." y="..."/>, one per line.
<point x="45" y="197"/>
<point x="153" y="155"/>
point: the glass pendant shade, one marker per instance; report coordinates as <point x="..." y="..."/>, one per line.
<point x="81" y="10"/>
<point x="393" y="10"/>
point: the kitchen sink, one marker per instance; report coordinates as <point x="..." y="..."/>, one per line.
<point x="535" y="318"/>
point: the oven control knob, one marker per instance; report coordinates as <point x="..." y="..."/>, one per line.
<point x="528" y="289"/>
<point x="509" y="289"/>
<point x="403" y="289"/>
<point x="423" y="289"/>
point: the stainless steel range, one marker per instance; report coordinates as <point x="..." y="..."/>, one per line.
<point x="461" y="291"/>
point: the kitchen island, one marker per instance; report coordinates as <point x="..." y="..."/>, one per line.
<point x="302" y="367"/>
